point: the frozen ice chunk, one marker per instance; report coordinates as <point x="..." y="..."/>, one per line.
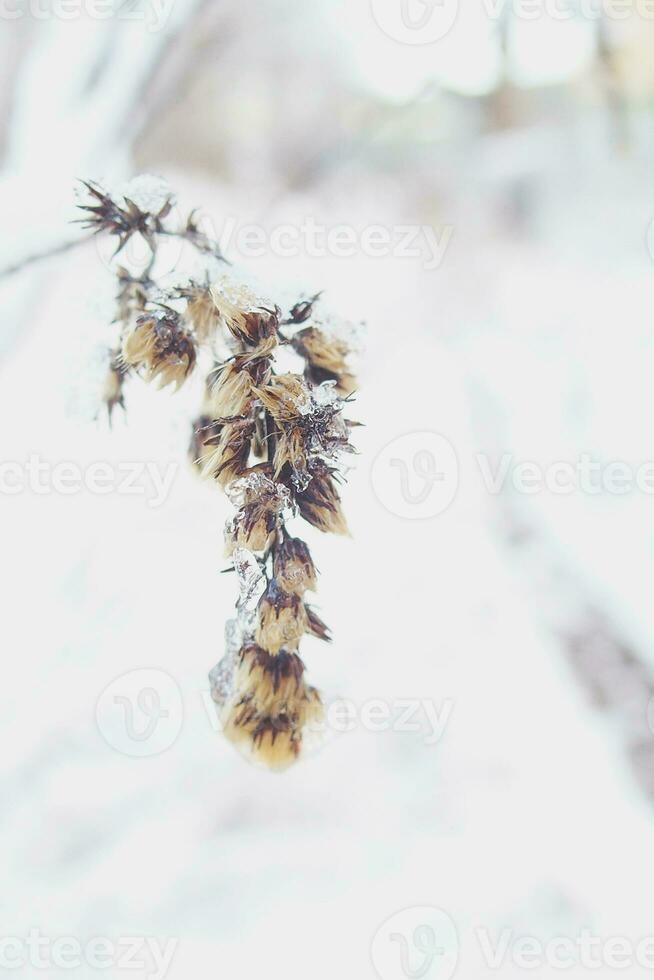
<point x="251" y="578"/>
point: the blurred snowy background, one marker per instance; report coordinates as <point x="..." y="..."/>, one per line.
<point x="521" y="616"/>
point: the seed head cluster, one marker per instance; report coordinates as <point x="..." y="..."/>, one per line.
<point x="273" y="439"/>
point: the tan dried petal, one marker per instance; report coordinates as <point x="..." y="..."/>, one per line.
<point x="203" y="430"/>
<point x="201" y="311"/>
<point x="229" y="458"/>
<point x="284" y="397"/>
<point x="230" y="393"/>
<point x="290" y="450"/>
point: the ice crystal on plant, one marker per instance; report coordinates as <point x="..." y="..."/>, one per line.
<point x="149" y="192"/>
<point x="251" y="579"/>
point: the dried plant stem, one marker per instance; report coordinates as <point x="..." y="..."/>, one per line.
<point x="47" y="253"/>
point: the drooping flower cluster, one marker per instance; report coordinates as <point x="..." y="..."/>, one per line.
<point x="274" y="440"/>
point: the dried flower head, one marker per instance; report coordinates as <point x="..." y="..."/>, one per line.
<point x="253" y="527"/>
<point x="293" y="567"/>
<point x="200" y="310"/>
<point x="262" y="503"/>
<point x="271" y="678"/>
<point x="231" y="450"/>
<point x="285" y="398"/>
<point x="326" y="359"/>
<point x="122" y="219"/>
<point x="282" y="619"/>
<point x="231" y="386"/>
<point x="273" y="708"/>
<point x="248" y="321"/>
<point x="229" y="391"/>
<point x="320" y="503"/>
<point x="160" y="345"/>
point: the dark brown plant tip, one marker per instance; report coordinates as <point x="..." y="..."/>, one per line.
<point x="122" y="219"/>
<point x="203" y="430"/>
<point x="303" y="310"/>
<point x="316" y="627"/>
<point x="199" y="239"/>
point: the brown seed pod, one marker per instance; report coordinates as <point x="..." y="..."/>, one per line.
<point x="326" y="359"/>
<point x="201" y="310"/>
<point x="293" y="567"/>
<point x="281" y="619"/>
<point x="229" y="458"/>
<point x="160" y="346"/>
<point x="319" y="503"/>
<point x="284" y="398"/>
<point x="254" y="527"/>
<point x="272" y="707"/>
<point x="249" y="324"/>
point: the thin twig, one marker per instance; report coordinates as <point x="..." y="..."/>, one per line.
<point x="48" y="253"/>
